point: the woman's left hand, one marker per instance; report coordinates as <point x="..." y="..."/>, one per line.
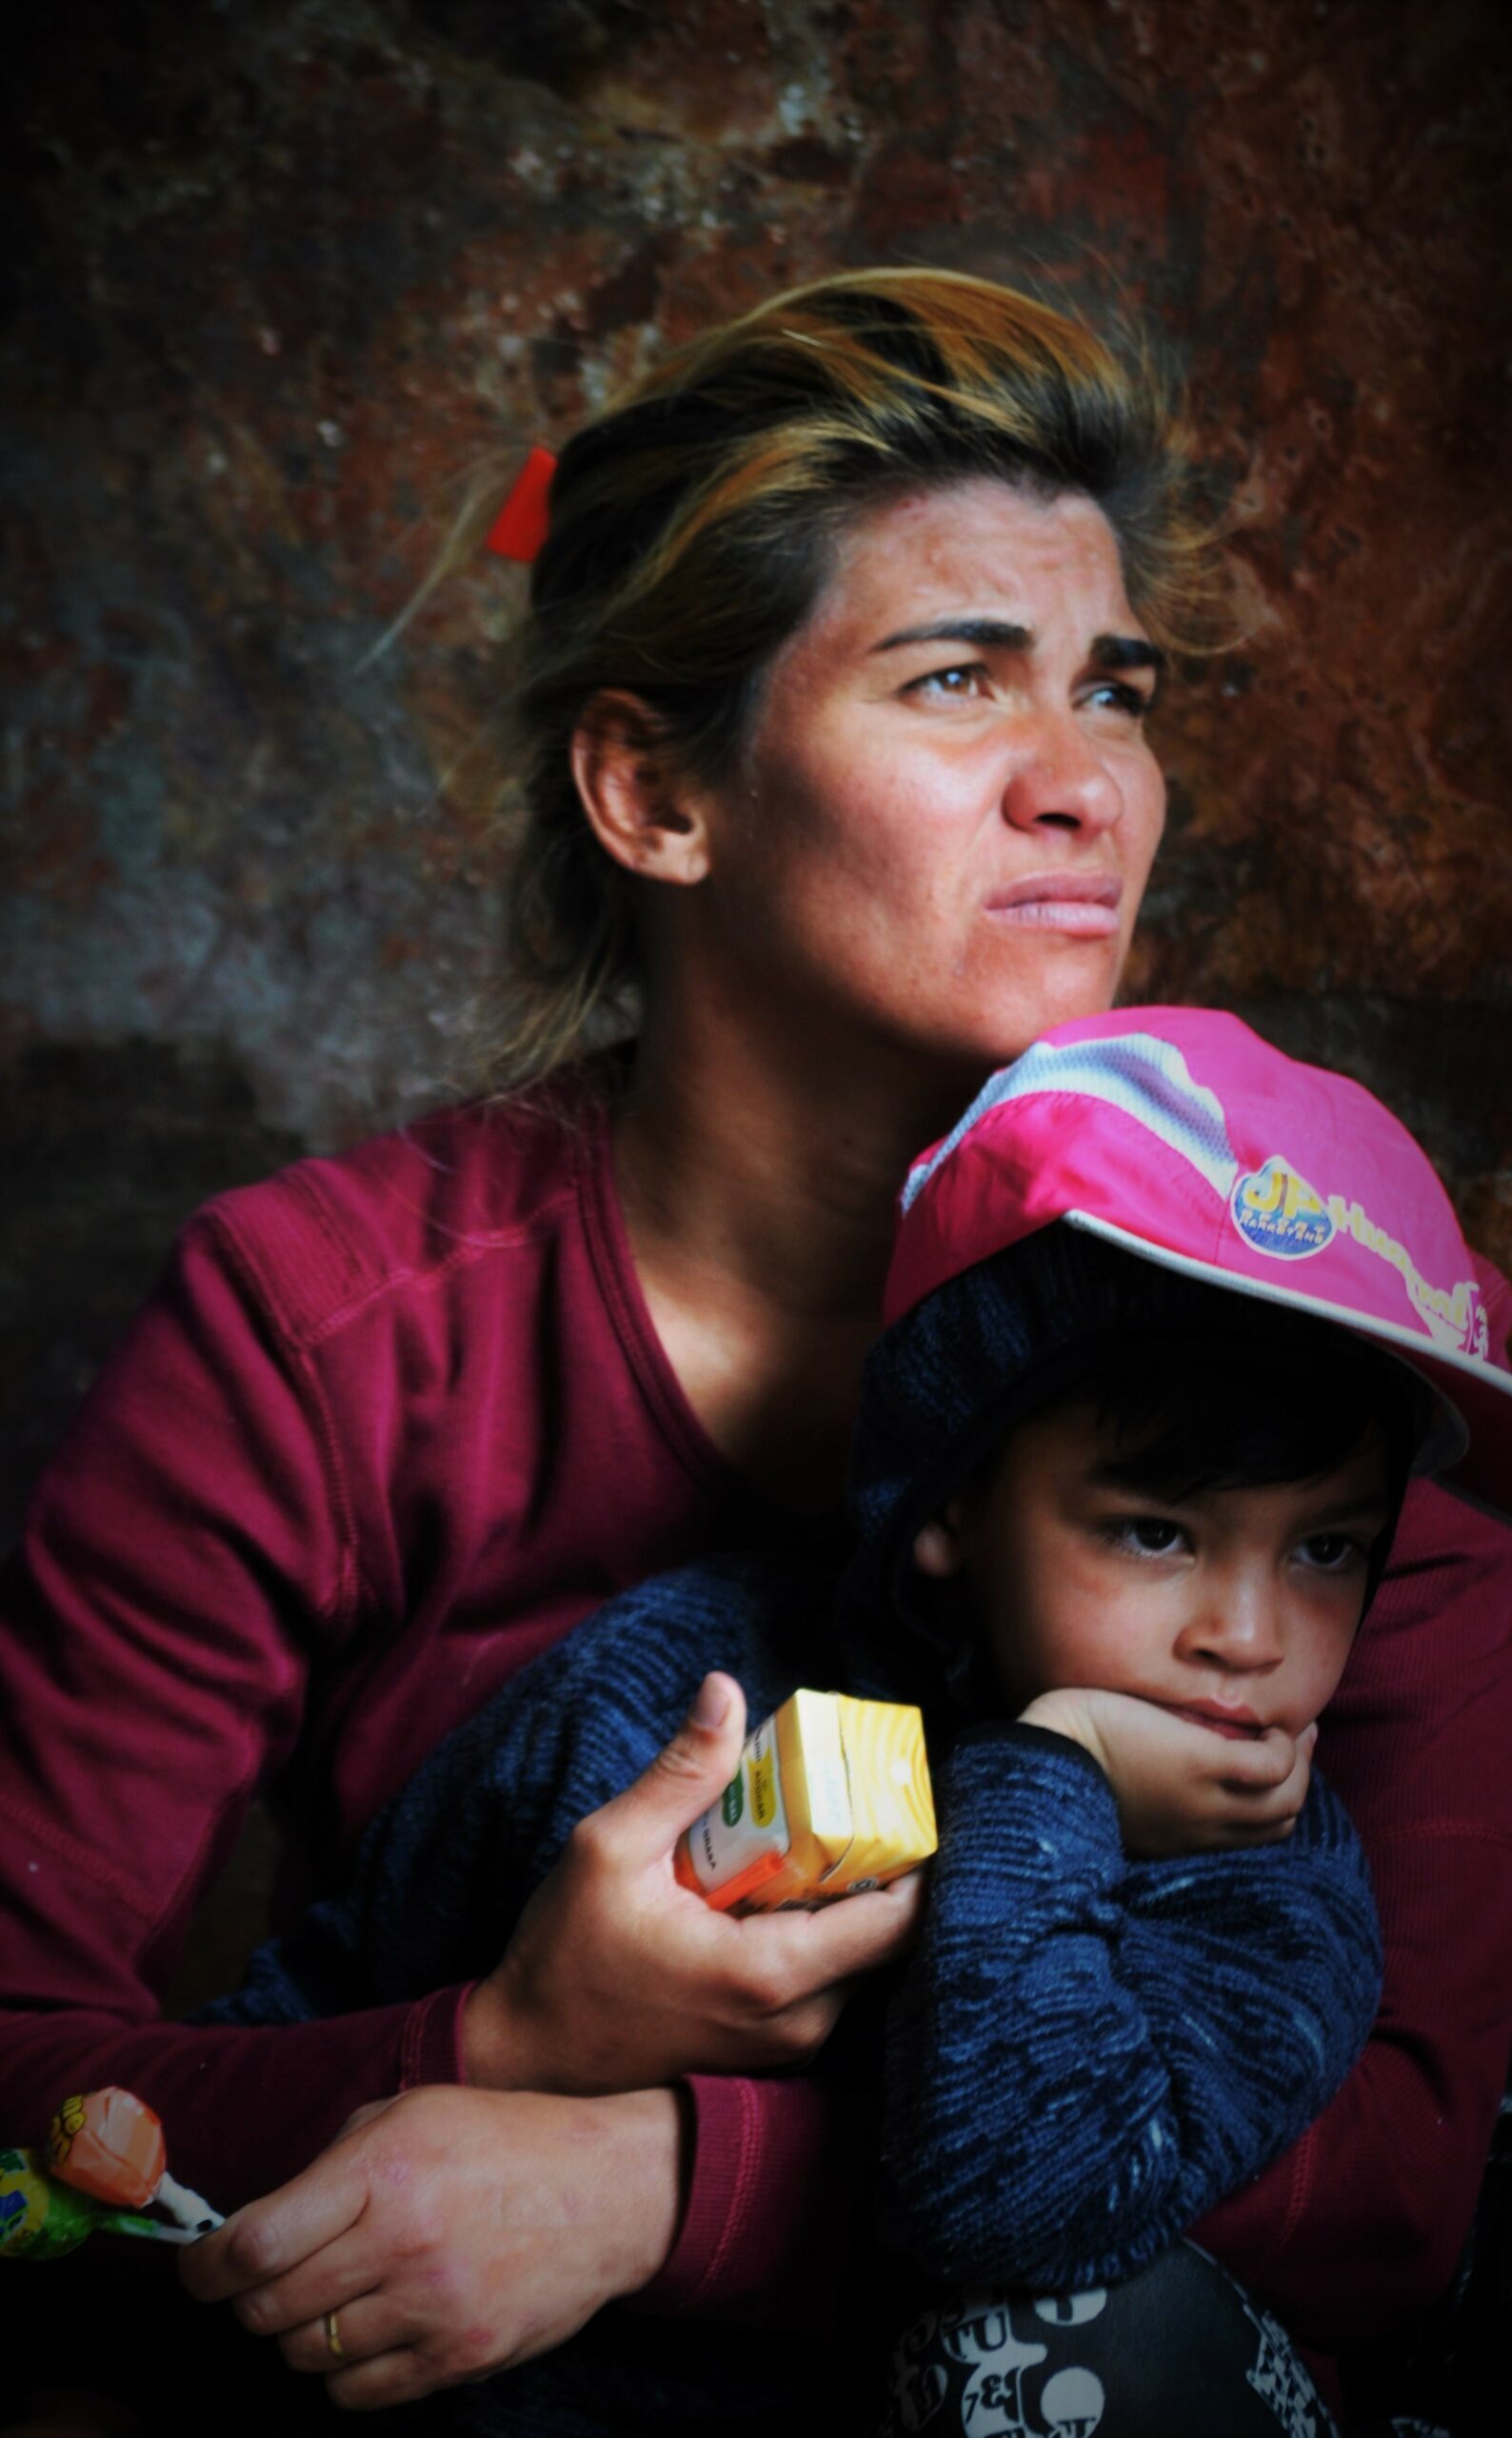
<point x="449" y="2233"/>
<point x="618" y="1978"/>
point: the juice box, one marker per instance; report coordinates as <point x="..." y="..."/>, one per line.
<point x="832" y="1796"/>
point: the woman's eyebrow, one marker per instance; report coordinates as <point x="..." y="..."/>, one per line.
<point x="989" y="631"/>
<point x="1125" y="651"/>
<point x="1108" y="651"/>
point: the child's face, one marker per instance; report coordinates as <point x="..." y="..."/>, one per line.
<point x="1233" y="1607"/>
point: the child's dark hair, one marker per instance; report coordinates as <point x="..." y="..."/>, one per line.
<point x="1277" y="1397"/>
<point x="1205" y="1387"/>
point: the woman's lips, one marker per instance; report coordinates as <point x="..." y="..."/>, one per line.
<point x="1083" y="904"/>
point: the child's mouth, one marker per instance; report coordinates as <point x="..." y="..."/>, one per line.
<point x="1241" y="1725"/>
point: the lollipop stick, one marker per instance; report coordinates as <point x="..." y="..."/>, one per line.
<point x="192" y="2215"/>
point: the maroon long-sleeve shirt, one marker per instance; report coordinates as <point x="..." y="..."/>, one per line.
<point x="392" y="1424"/>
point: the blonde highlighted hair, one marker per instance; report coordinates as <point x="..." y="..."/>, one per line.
<point x="693" y="522"/>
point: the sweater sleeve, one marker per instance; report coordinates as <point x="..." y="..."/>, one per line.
<point x="445" y="1870"/>
<point x="1087" y="2054"/>
<point x="1365" y="2216"/>
<point x="184" y="1559"/>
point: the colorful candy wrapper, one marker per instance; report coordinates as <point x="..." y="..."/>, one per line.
<point x="103" y="2167"/>
<point x="110" y="2145"/>
<point x="40" y="2219"/>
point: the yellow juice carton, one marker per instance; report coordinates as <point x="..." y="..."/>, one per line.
<point x="832" y="1796"/>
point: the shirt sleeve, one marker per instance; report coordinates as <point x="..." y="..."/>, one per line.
<point x="443" y="1873"/>
<point x="185" y="1560"/>
<point x="1086" y="2052"/>
<point x="770" y="2217"/>
<point x="1365" y="2216"/>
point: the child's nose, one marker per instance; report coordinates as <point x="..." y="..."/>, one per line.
<point x="1238" y="1622"/>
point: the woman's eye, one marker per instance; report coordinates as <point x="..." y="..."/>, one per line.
<point x="1130" y="700"/>
<point x="959" y="684"/>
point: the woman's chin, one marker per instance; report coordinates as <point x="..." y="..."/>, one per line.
<point x="1068" y="994"/>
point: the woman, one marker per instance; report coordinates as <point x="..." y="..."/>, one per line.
<point x="835" y="672"/>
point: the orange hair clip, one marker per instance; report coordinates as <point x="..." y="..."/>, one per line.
<point x="524" y="521"/>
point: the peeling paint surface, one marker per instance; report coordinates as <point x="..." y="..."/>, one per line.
<point x="283" y="273"/>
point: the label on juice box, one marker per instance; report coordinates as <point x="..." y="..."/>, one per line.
<point x="745" y="1834"/>
<point x="832" y="1796"/>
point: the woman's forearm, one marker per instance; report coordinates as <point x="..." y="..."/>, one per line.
<point x="243" y="2109"/>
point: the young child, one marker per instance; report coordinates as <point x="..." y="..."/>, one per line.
<point x="1171" y="1319"/>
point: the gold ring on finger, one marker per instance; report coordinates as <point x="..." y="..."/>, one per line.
<point x="333" y="2343"/>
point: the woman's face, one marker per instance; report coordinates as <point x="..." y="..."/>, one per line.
<point x="949" y="807"/>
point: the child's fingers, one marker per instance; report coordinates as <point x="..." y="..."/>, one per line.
<point x="1259" y="1767"/>
<point x="1272" y="1806"/>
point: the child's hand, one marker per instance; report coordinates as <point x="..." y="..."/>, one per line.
<point x="1183" y="1789"/>
<point x="618" y="1979"/>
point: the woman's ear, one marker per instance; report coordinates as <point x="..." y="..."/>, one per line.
<point x="642" y="812"/>
<point x="939" y="1548"/>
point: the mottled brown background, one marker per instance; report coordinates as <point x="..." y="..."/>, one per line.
<point x="280" y="273"/>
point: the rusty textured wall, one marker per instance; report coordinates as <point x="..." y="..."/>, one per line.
<point x="277" y="275"/>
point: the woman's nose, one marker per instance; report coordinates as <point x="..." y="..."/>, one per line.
<point x="1058" y="780"/>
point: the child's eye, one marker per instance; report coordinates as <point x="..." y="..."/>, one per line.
<point x="1147" y="1536"/>
<point x="1331" y="1552"/>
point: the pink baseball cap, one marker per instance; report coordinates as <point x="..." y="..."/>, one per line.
<point x="1180" y="1135"/>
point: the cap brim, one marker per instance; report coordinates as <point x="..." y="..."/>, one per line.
<point x="1473" y="1458"/>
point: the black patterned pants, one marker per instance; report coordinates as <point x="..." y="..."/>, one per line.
<point x="1178" y="2352"/>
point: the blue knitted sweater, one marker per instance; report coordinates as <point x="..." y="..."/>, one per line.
<point x="1083" y="2052"/>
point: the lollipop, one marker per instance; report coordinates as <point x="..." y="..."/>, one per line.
<point x="110" y="2145"/>
<point x="40" y="2218"/>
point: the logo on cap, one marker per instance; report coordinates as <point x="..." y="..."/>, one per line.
<point x="1277" y="1212"/>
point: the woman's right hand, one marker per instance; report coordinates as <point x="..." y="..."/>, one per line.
<point x="617" y="1978"/>
<point x="447" y="2234"/>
